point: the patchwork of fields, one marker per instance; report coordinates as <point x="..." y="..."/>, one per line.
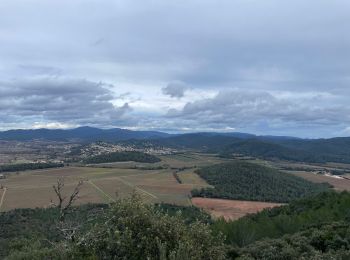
<point x="31" y="189"/>
<point x="169" y="181"/>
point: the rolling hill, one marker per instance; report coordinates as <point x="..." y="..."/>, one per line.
<point x="87" y="134"/>
<point x="249" y="181"/>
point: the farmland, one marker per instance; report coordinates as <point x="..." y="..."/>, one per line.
<point x="231" y="209"/>
<point x="155" y="182"/>
<point x="338" y="182"/>
<point x="102" y="184"/>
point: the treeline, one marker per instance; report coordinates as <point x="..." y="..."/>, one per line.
<point x="249" y="181"/>
<point x="28" y="166"/>
<point x="123" y="157"/>
<point x="310" y="227"/>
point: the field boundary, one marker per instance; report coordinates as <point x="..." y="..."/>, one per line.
<point x="137" y="188"/>
<point x="101" y="191"/>
<point x="3" y="197"/>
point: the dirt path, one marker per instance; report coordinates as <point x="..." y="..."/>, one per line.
<point x="101" y="191"/>
<point x="2" y="197"/>
<point x="137" y="188"/>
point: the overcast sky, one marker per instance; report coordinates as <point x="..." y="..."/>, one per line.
<point x="264" y="67"/>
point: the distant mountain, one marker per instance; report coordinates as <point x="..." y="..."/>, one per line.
<point x="81" y="134"/>
<point x="226" y="144"/>
<point x="266" y="147"/>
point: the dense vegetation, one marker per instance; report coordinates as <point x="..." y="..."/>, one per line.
<point x="249" y="181"/>
<point x="21" y="226"/>
<point x="28" y="166"/>
<point x="123" y="157"/>
<point x="267" y="150"/>
<point x="317" y="227"/>
<point x="327" y="207"/>
<point x="128" y="229"/>
<point x="324" y="241"/>
<point x="189" y="214"/>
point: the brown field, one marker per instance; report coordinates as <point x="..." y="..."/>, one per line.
<point x="32" y="189"/>
<point x="231" y="209"/>
<point x="338" y="184"/>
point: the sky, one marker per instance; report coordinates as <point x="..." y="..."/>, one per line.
<point x="267" y="67"/>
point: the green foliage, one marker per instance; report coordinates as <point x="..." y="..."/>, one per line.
<point x="249" y="181"/>
<point x="28" y="166"/>
<point x="128" y="229"/>
<point x="28" y="249"/>
<point x="189" y="214"/>
<point x="41" y="225"/>
<point x="328" y="241"/>
<point x="326" y="207"/>
<point x="123" y="157"/>
<point x="133" y="230"/>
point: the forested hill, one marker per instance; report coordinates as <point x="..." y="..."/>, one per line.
<point x="249" y="181"/>
<point x="284" y="148"/>
<point x="226" y="144"/>
<point x="318" y="151"/>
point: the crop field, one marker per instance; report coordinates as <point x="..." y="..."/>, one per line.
<point x="31" y="189"/>
<point x="231" y="209"/>
<point x="338" y="182"/>
<point x="154" y="182"/>
<point x="190" y="160"/>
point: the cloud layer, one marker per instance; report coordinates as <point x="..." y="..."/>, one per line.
<point x="57" y="99"/>
<point x="268" y="67"/>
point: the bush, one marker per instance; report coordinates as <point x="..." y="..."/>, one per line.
<point x="133" y="230"/>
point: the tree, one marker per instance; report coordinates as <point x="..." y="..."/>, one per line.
<point x="62" y="206"/>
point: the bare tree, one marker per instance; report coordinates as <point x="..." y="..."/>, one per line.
<point x="62" y="205"/>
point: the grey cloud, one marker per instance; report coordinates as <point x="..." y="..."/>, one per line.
<point x="175" y="89"/>
<point x="247" y="109"/>
<point x="255" y="46"/>
<point x="59" y="99"/>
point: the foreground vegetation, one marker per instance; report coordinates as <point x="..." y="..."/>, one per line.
<point x="324" y="241"/>
<point x="128" y="229"/>
<point x="311" y="228"/>
<point x="123" y="157"/>
<point x="248" y="181"/>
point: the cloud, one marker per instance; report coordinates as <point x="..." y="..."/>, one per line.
<point x="175" y="89"/>
<point x="59" y="100"/>
<point x="52" y="125"/>
<point x="257" y="47"/>
<point x="255" y="109"/>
